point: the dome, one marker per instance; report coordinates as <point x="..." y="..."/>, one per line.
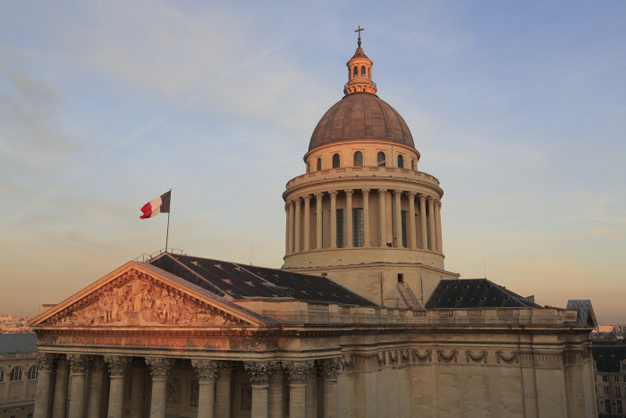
<point x="358" y="117"/>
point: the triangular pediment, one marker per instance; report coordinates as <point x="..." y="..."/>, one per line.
<point x="139" y="296"/>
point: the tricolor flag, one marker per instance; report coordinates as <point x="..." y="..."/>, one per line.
<point x="156" y="206"/>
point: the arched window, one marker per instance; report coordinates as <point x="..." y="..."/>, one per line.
<point x="412" y="164"/>
<point x="1" y="375"/>
<point x="308" y="166"/>
<point x="381" y="159"/>
<point x="319" y="164"/>
<point x="369" y="73"/>
<point x="358" y="159"/>
<point x="16" y="374"/>
<point x="336" y="161"/>
<point x="363" y="74"/>
<point x="33" y="373"/>
<point x="356" y="71"/>
<point x="400" y="161"/>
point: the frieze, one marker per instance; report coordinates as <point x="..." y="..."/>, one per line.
<point x="136" y="299"/>
<point x="513" y="357"/>
<point x="131" y="340"/>
<point x="393" y="358"/>
<point x="453" y="355"/>
<point x="246" y="343"/>
<point x="382" y="358"/>
<point x="422" y="357"/>
<point x="482" y="356"/>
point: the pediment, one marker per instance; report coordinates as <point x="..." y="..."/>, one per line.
<point x="137" y="298"/>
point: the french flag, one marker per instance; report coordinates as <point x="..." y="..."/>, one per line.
<point x="159" y="205"/>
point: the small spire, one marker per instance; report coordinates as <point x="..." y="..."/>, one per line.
<point x="359" y="32"/>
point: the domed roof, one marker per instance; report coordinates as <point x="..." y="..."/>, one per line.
<point x="361" y="116"/>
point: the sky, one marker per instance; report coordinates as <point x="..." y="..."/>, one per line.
<point x="518" y="108"/>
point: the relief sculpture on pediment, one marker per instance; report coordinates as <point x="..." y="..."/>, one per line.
<point x="141" y="302"/>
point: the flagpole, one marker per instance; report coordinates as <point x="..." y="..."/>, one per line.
<point x="167" y="234"/>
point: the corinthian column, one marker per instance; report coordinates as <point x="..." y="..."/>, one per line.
<point x="59" y="408"/>
<point x="286" y="229"/>
<point x="423" y="227"/>
<point x="96" y="386"/>
<point x="330" y="370"/>
<point x="318" y="224"/>
<point x="297" y="225"/>
<point x="45" y="364"/>
<point x="222" y="389"/>
<point x="307" y="222"/>
<point x="348" y="227"/>
<point x="333" y="218"/>
<point x="117" y="366"/>
<point x="275" y="390"/>
<point x="382" y="217"/>
<point x="412" y="235"/>
<point x="310" y="394"/>
<point x="136" y="394"/>
<point x="159" y="369"/>
<point x="297" y="373"/>
<point x="291" y="227"/>
<point x="78" y="367"/>
<point x="438" y="221"/>
<point x="398" y="217"/>
<point x="366" y="217"/>
<point x="206" y="371"/>
<point x="258" y="372"/>
<point x="431" y="224"/>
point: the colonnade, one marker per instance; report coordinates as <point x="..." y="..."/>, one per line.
<point x="91" y="397"/>
<point x="423" y="233"/>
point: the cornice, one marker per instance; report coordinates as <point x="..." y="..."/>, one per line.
<point x="376" y="180"/>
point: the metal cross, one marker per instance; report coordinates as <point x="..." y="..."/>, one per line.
<point x="359" y="31"/>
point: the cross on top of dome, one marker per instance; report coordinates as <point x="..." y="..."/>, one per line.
<point x="359" y="32"/>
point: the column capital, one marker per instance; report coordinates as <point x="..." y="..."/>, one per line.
<point x="438" y="203"/>
<point x="382" y="192"/>
<point x="117" y="364"/>
<point x="297" y="371"/>
<point x="422" y="197"/>
<point x="46" y="361"/>
<point x="224" y="369"/>
<point x="97" y="363"/>
<point x="78" y="363"/>
<point x="365" y="192"/>
<point x="398" y="192"/>
<point x="348" y="192"/>
<point x="319" y="195"/>
<point x="298" y="200"/>
<point x="159" y="366"/>
<point x="330" y="367"/>
<point x="307" y="198"/>
<point x="291" y="203"/>
<point x="431" y="199"/>
<point x="333" y="194"/>
<point x="286" y="207"/>
<point x="205" y="369"/>
<point x="275" y="371"/>
<point x="258" y="372"/>
<point x="411" y="194"/>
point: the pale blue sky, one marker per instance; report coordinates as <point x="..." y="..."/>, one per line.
<point x="517" y="107"/>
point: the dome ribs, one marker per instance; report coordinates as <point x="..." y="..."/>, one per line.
<point x="368" y="122"/>
<point x="380" y="122"/>
<point x="357" y="119"/>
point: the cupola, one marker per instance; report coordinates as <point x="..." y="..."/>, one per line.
<point x="359" y="72"/>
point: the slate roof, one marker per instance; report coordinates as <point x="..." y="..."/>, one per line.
<point x="240" y="281"/>
<point x="586" y="316"/>
<point x="475" y="293"/>
<point x="607" y="355"/>
<point x="358" y="117"/>
<point x="18" y="344"/>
